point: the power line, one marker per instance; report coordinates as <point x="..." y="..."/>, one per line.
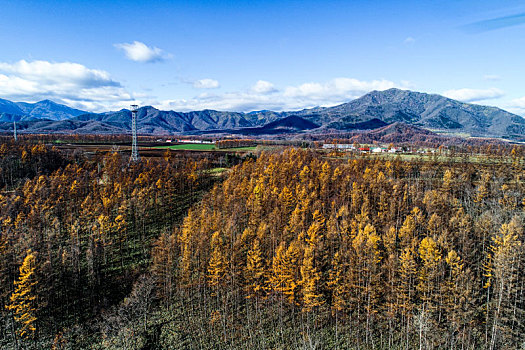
<point x="134" y="148"/>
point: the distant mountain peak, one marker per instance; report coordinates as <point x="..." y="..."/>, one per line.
<point x="46" y="101"/>
<point x="430" y="111"/>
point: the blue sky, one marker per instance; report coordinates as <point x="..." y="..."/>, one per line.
<point x="252" y="55"/>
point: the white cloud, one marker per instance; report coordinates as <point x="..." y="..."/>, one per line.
<point x="409" y="40"/>
<point x="474" y="95"/>
<point x="65" y="82"/>
<point x="140" y="52"/>
<point x="263" y="95"/>
<point x="263" y="87"/>
<point x="94" y="90"/>
<point x="58" y="73"/>
<point x="206" y="84"/>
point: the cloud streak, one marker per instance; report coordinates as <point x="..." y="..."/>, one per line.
<point x="495" y="23"/>
<point x="206" y="84"/>
<point x="139" y="52"/>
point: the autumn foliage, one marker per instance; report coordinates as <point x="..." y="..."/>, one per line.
<point x="417" y="254"/>
<point x="289" y="249"/>
<point x="73" y="240"/>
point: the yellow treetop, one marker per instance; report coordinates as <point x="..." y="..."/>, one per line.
<point x="218" y="264"/>
<point x="310" y="282"/>
<point x="255" y="270"/>
<point x="22" y="301"/>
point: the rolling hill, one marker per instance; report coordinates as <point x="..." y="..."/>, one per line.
<point x="286" y="125"/>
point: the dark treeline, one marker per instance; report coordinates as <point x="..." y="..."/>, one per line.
<point x="78" y="138"/>
<point x="298" y="251"/>
<point x="21" y="161"/>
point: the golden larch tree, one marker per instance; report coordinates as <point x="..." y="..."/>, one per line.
<point x="430" y="256"/>
<point x="284" y="277"/>
<point x="255" y="271"/>
<point x="312" y="298"/>
<point x="503" y="277"/>
<point x="337" y="283"/>
<point x="217" y="266"/>
<point x="22" y="300"/>
<point x="407" y="275"/>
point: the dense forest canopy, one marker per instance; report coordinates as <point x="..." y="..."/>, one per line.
<point x="87" y="226"/>
<point x="290" y="249"/>
<point x="401" y="253"/>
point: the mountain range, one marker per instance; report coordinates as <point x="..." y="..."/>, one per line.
<point x="374" y="110"/>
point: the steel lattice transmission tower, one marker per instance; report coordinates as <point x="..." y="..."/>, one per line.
<point x="134" y="148"/>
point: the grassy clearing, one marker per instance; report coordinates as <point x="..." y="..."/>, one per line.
<point x="217" y="171"/>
